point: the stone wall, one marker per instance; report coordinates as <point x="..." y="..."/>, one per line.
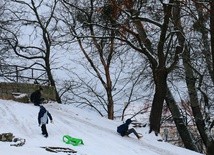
<point x="21" y="91"/>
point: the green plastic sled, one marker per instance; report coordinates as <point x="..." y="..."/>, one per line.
<point x="71" y="140"/>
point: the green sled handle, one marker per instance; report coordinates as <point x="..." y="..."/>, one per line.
<point x="71" y="140"/>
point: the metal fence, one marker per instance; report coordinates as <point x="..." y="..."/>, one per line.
<point x="21" y="74"/>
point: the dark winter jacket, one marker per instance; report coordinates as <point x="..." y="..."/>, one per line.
<point x="35" y="97"/>
<point x="122" y="129"/>
<point x="43" y="116"/>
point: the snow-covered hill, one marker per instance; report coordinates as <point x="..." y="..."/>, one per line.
<point x="98" y="134"/>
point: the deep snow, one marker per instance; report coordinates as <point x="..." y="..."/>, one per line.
<point x="98" y="134"/>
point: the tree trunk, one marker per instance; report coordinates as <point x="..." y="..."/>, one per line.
<point x="210" y="148"/>
<point x="160" y="76"/>
<point x="110" y="106"/>
<point x="212" y="32"/>
<point x="160" y="73"/>
<point x="196" y="109"/>
<point x="205" y="37"/>
<point x="179" y="122"/>
<point x="108" y="77"/>
<point x="190" y="79"/>
<point x="52" y="82"/>
<point x="108" y="88"/>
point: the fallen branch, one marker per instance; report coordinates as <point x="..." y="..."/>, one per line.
<point x="59" y="149"/>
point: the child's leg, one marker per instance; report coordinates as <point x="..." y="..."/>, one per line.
<point x="44" y="130"/>
<point x="132" y="130"/>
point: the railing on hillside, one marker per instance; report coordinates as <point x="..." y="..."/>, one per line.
<point x="15" y="73"/>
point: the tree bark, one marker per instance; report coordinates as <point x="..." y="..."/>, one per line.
<point x="52" y="82"/>
<point x="160" y="73"/>
<point x="190" y="79"/>
<point x="205" y="37"/>
<point x="179" y="122"/>
<point x="212" y="32"/>
<point x="160" y="77"/>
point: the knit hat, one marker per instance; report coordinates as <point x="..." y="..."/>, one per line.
<point x="128" y="121"/>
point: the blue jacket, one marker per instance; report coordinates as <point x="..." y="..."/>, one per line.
<point x="122" y="129"/>
<point x="43" y="116"/>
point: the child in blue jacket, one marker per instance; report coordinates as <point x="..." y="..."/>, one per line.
<point x="43" y="120"/>
<point x="124" y="130"/>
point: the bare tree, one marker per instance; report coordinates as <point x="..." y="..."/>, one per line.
<point x="104" y="58"/>
<point x="194" y="76"/>
<point x="183" y="131"/>
<point x="158" y="51"/>
<point x="3" y="25"/>
<point x="122" y="21"/>
<point x="36" y="23"/>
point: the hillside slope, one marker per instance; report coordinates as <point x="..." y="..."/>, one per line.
<point x="98" y="134"/>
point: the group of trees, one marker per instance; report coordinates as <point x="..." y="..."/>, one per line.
<point x="129" y="51"/>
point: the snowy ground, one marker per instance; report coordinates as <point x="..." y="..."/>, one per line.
<point x="98" y="134"/>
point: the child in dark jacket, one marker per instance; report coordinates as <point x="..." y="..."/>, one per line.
<point x="124" y="130"/>
<point x="35" y="97"/>
<point x="43" y="120"/>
